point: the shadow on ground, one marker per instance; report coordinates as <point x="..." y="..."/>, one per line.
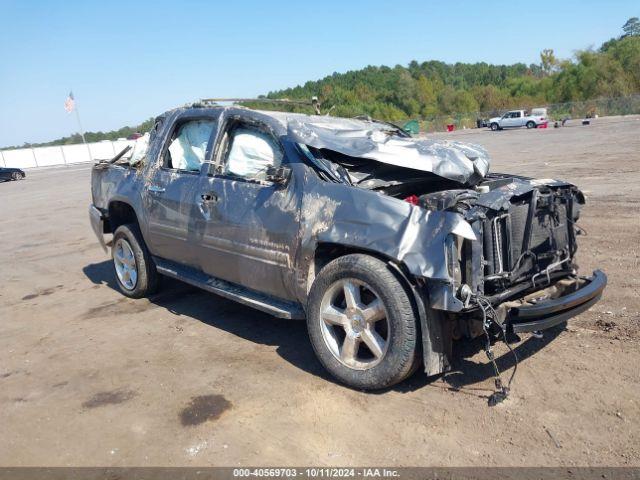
<point x="288" y="336"/>
<point x="466" y="373"/>
<point x="292" y="343"/>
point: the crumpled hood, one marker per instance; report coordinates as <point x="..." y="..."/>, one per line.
<point x="500" y="197"/>
<point x="460" y="162"/>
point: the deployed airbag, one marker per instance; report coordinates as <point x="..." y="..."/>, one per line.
<point x="251" y="153"/>
<point x="189" y="147"/>
<point x="140" y="148"/>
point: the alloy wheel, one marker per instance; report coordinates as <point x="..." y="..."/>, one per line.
<point x="125" y="263"/>
<point x="354" y="324"/>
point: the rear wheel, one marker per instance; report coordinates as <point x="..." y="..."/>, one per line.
<point x="134" y="268"/>
<point x="362" y="324"/>
<point x="531" y="124"/>
<point x="495" y="127"/>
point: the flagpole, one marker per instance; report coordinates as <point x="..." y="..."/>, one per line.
<point x="80" y="124"/>
<point x="75" y="108"/>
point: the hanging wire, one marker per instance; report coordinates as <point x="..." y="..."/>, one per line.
<point x="489" y="316"/>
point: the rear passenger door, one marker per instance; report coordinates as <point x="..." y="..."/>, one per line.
<point x="250" y="223"/>
<point x="172" y="194"/>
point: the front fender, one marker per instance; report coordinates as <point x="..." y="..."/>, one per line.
<point x="366" y="220"/>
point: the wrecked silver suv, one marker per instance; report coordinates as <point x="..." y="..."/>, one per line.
<point x="389" y="246"/>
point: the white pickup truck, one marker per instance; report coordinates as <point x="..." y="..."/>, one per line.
<point x="517" y="119"/>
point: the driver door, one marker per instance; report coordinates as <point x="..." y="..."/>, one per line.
<point x="508" y="120"/>
<point x="250" y="224"/>
<point x="171" y="197"/>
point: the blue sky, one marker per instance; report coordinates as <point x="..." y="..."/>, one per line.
<point x="127" y="61"/>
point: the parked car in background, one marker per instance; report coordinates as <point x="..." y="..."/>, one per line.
<point x="517" y="119"/>
<point x="7" y="174"/>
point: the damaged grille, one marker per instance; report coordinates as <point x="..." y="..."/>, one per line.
<point x="534" y="233"/>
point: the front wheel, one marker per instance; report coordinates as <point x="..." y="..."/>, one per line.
<point x="531" y="125"/>
<point x="495" y="127"/>
<point x="134" y="268"/>
<point x="362" y="324"/>
<point x="17" y="176"/>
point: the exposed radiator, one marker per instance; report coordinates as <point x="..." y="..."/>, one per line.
<point x="541" y="232"/>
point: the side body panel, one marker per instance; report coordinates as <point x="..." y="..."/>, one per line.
<point x="248" y="234"/>
<point x="169" y="203"/>
<point x="339" y="214"/>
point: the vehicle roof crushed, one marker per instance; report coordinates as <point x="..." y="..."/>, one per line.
<point x="377" y="141"/>
<point x="457" y="161"/>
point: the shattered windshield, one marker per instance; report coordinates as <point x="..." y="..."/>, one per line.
<point x="460" y="162"/>
<point x="386" y="126"/>
<point x="335" y="171"/>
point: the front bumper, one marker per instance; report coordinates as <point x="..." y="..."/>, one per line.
<point x="551" y="312"/>
<point x="97" y="224"/>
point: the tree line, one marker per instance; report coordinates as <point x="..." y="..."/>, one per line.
<point x="435" y="88"/>
<point x="423" y="90"/>
<point x="90" y="137"/>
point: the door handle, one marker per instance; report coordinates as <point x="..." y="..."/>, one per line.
<point x="206" y="204"/>
<point x="209" y="197"/>
<point x="155" y="189"/>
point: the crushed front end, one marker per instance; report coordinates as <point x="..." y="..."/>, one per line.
<point x="521" y="268"/>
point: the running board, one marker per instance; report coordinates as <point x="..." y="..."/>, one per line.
<point x="276" y="307"/>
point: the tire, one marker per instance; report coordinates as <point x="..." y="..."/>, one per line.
<point x="531" y="124"/>
<point x="334" y="326"/>
<point x="17" y="176"/>
<point x="495" y="127"/>
<point x="129" y="254"/>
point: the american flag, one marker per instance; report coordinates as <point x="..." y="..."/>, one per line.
<point x="69" y="103"/>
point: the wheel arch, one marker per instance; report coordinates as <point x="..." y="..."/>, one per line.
<point x="432" y="324"/>
<point x="326" y="252"/>
<point x="119" y="213"/>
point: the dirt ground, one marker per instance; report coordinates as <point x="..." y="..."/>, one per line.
<point x="88" y="377"/>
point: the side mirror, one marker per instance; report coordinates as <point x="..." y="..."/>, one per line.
<point x="279" y="175"/>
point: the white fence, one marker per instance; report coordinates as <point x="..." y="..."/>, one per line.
<point x="61" y="155"/>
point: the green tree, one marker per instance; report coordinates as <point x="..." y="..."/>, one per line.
<point x="626" y="52"/>
<point x="632" y="27"/>
<point x="548" y="61"/>
<point x="426" y="96"/>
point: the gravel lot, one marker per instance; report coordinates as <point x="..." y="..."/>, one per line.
<point x="88" y="377"/>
